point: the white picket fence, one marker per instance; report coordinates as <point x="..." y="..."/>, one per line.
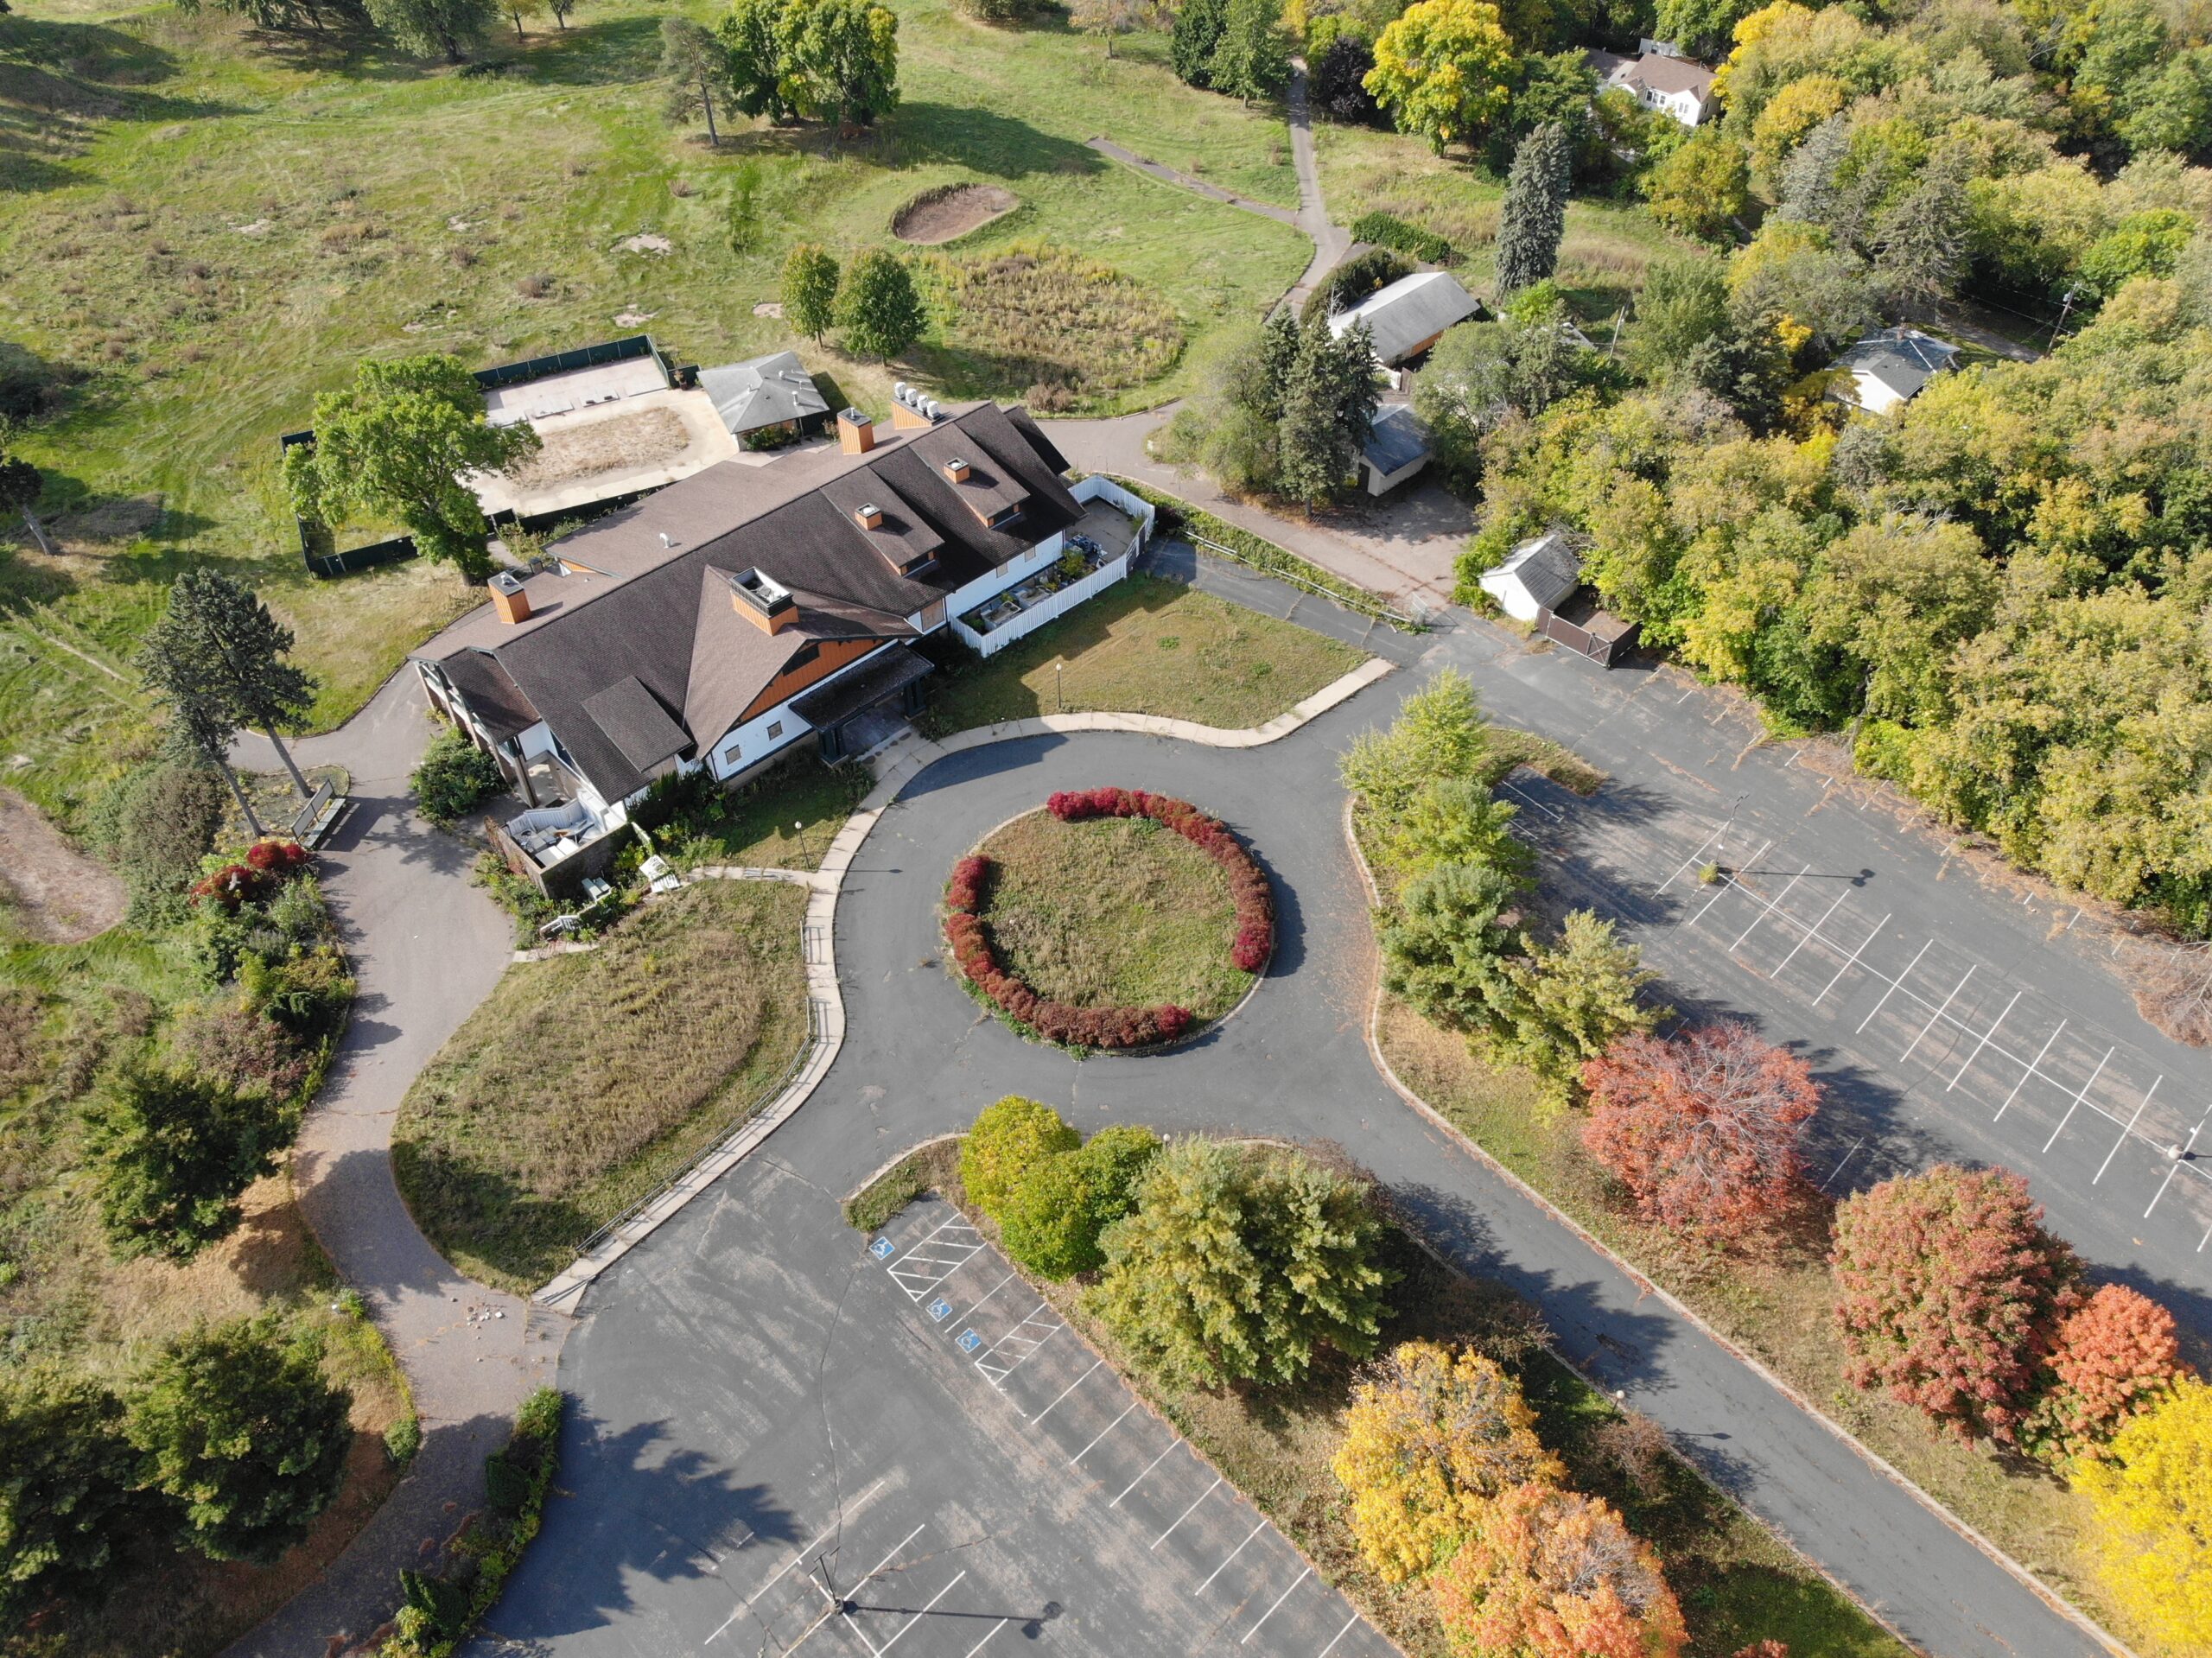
<point x="1047" y="609"/>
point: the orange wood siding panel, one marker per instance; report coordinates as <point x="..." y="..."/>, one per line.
<point x="833" y="655"/>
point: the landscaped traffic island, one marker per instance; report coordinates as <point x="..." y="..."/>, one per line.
<point x="1111" y="918"/>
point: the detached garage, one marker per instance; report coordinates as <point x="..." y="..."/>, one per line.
<point x="1536" y="576"/>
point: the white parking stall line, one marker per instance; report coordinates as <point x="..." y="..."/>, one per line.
<point x="996" y="1375"/>
<point x="2206" y="1239"/>
<point x="1186" y="1513"/>
<point x="1271" y="1611"/>
<point x="986" y="1641"/>
<point x="1984" y="1043"/>
<point x="1894" y="983"/>
<point x="823" y="1537"/>
<point x="1691" y="862"/>
<point x="2187" y="1148"/>
<point x="1972" y="969"/>
<point x="919" y="1615"/>
<point x="1727" y="884"/>
<point x="2124" y="1134"/>
<point x="1149" y="1467"/>
<point x="1853" y="962"/>
<point x="1339" y="1635"/>
<point x="1811" y="935"/>
<point x="2035" y="1068"/>
<point x="1064" y="1392"/>
<point x="2078" y="1098"/>
<point x="973" y="1310"/>
<point x="1768" y="910"/>
<point x="841" y="1606"/>
<point x="1103" y="1432"/>
<point x="1556" y="816"/>
<point x="1232" y="1555"/>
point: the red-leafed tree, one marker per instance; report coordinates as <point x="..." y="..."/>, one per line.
<point x="1556" y="1574"/>
<point x="1703" y="1130"/>
<point x="2115" y="1358"/>
<point x="1951" y="1294"/>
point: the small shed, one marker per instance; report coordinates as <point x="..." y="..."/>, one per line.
<point x="1888" y="367"/>
<point x="1398" y="447"/>
<point x="1410" y="315"/>
<point x="1538" y="575"/>
<point x="765" y="393"/>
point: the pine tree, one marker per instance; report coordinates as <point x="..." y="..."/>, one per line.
<point x="175" y="1150"/>
<point x="240" y="648"/>
<point x="1445" y="951"/>
<point x="1534" y="216"/>
<point x="696" y="66"/>
<point x="1197" y="34"/>
<point x="201" y="721"/>
<point x="66" y="1472"/>
<point x="1328" y="411"/>
<point x="1253" y="59"/>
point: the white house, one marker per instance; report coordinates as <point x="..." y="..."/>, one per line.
<point x="1407" y="317"/>
<point x="1541" y="573"/>
<point x="1659" y="80"/>
<point x="1887" y="368"/>
<point x="732" y="615"/>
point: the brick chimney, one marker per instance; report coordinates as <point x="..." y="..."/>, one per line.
<point x="762" y="600"/>
<point x="955" y="471"/>
<point x="855" y="431"/>
<point x="868" y="515"/>
<point x="510" y="598"/>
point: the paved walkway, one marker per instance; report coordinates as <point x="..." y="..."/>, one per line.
<point x="427" y="948"/>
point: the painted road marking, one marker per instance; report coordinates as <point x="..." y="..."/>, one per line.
<point x="1271" y="1611"/>
<point x="969" y="1341"/>
<point x="1185" y="1515"/>
<point x="1853" y="962"/>
<point x="1813" y="934"/>
<point x="1233" y="1554"/>
<point x="2033" y="1069"/>
<point x="986" y="1641"/>
<point x="1768" y="910"/>
<point x="1984" y="1043"/>
<point x="1149" y="1467"/>
<point x="2125" y="1132"/>
<point x="1340" y="1635"/>
<point x="1064" y="1392"/>
<point x="1103" y="1432"/>
<point x="850" y="1509"/>
<point x="1972" y="969"/>
<point x="882" y="1249"/>
<point x="940" y="1309"/>
<point x="2187" y="1148"/>
<point x="1894" y="983"/>
<point x="919" y="1615"/>
<point x="2078" y="1098"/>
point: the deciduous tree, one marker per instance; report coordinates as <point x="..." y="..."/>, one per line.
<point x="1574" y="999"/>
<point x="2152" y="1501"/>
<point x="1339" y="87"/>
<point x="1238" y="1263"/>
<point x="810" y="289"/>
<point x="1445" y="950"/>
<point x="760" y="81"/>
<point x="1556" y="1574"/>
<point x="237" y="1426"/>
<point x="1444" y="69"/>
<point x="451" y="28"/>
<point x="174" y="1151"/>
<point x="878" y="310"/>
<point x="1009" y="1140"/>
<point x="1452" y="821"/>
<point x="1433" y="1437"/>
<point x="1701" y="188"/>
<point x="1439" y="733"/>
<point x="1534" y="216"/>
<point x="1703" y="1130"/>
<point x="1950" y="1293"/>
<point x="2116" y="1357"/>
<point x="842" y="56"/>
<point x="1051" y="1221"/>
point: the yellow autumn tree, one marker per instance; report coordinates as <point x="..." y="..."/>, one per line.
<point x="1433" y="1435"/>
<point x="2153" y="1506"/>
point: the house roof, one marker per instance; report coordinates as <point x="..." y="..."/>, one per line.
<point x="628" y="604"/>
<point x="1656" y="71"/>
<point x="631" y="718"/>
<point x="884" y="673"/>
<point x="1397" y="440"/>
<point x="1904" y="359"/>
<point x="1545" y="566"/>
<point x="1409" y="312"/>
<point x="763" y="391"/>
<point x="494" y="698"/>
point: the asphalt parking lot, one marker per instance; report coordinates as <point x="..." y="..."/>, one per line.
<point x="789" y="1436"/>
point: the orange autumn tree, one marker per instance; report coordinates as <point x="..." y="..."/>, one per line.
<point x="2115" y="1358"/>
<point x="1703" y="1130"/>
<point x="1556" y="1574"/>
<point x="1433" y="1436"/>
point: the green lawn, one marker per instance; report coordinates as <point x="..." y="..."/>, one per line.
<point x="1117" y="912"/>
<point x="586" y="1080"/>
<point x="1147" y="645"/>
<point x="212" y="225"/>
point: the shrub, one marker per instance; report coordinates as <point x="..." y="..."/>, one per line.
<point x="239" y="1049"/>
<point x="2153" y="1502"/>
<point x="2116" y="1357"/>
<point x="230" y="885"/>
<point x="1342" y="65"/>
<point x="65" y="1474"/>
<point x="1009" y="1139"/>
<point x="403" y="1439"/>
<point x="964" y="892"/>
<point x="1385" y="230"/>
<point x="1239" y="1263"/>
<point x="1353" y="281"/>
<point x="1553" y="1572"/>
<point x="1703" y="1130"/>
<point x="454" y="777"/>
<point x="1248" y="883"/>
<point x="274" y="855"/>
<point x="306" y="992"/>
<point x="174" y="1151"/>
<point x="1052" y="1219"/>
<point x="1950" y="1292"/>
<point x="159" y="822"/>
<point x="299" y="914"/>
<point x="1434" y="1437"/>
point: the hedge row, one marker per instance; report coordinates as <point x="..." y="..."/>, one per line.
<point x="1248" y="883"/>
<point x="1387" y="230"/>
<point x="1056" y="1021"/>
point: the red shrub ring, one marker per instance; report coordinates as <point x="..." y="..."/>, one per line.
<point x="968" y="936"/>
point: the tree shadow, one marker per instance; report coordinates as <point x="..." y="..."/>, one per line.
<point x="983" y="140"/>
<point x="613" y="51"/>
<point x="60" y="82"/>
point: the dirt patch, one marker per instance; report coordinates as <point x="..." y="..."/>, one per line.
<point x="59" y="895"/>
<point x="950" y="211"/>
<point x="120" y="520"/>
<point x="646" y="242"/>
<point x="618" y="444"/>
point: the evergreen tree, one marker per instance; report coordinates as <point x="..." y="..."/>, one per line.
<point x="878" y="310"/>
<point x="220" y="623"/>
<point x="20" y="486"/>
<point x="1191" y="44"/>
<point x="237" y="1425"/>
<point x="1575" y="998"/>
<point x="696" y="65"/>
<point x="1445" y="951"/>
<point x="66" y="1472"/>
<point x="1452" y="820"/>
<point x="202" y="720"/>
<point x="810" y="290"/>
<point x="1328" y="411"/>
<point x="1921" y="240"/>
<point x="1534" y="216"/>
<point x="1253" y="59"/>
<point x="175" y="1150"/>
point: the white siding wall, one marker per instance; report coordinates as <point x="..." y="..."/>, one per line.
<point x="750" y="743"/>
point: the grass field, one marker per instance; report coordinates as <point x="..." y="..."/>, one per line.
<point x="1147" y="645"/>
<point x="203" y="226"/>
<point x="1117" y="912"/>
<point x="584" y="1081"/>
<point x="1736" y="1584"/>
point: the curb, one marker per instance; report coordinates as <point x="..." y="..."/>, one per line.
<point x="2050" y="1597"/>
<point x="898" y="764"/>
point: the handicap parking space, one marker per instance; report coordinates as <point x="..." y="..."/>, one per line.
<point x="1033" y="1378"/>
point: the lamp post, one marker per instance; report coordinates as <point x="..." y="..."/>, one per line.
<point x="798" y="828"/>
<point x="1059" y="702"/>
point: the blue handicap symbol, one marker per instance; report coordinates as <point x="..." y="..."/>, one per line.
<point x="882" y="1249"/>
<point x="940" y="1309"/>
<point x="969" y="1341"/>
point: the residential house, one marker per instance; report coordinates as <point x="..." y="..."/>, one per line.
<point x="732" y="615"/>
<point x="766" y="399"/>
<point x="1397" y="448"/>
<point x="1887" y="368"/>
<point x="1540" y="575"/>
<point x="1411" y="315"/>
<point x="1659" y="80"/>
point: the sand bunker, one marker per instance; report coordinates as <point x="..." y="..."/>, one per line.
<point x="950" y="211"/>
<point x="613" y="445"/>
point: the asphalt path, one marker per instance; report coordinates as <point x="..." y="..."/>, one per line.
<point x="919" y="1061"/>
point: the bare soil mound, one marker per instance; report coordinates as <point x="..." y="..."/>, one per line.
<point x="950" y="211"/>
<point x="644" y="438"/>
<point x="60" y="896"/>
